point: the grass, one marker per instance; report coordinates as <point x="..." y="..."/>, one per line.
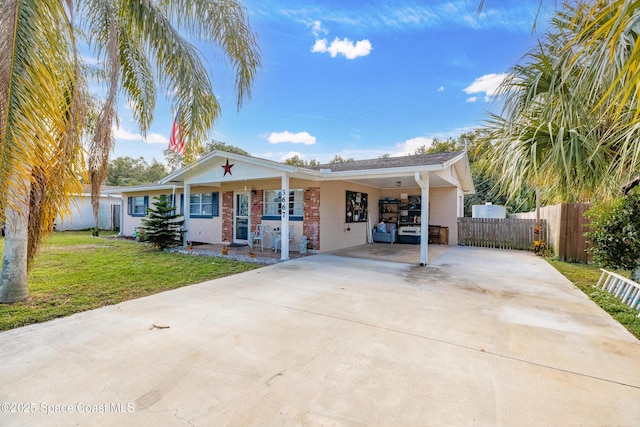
<point x="76" y="272"/>
<point x="585" y="277"/>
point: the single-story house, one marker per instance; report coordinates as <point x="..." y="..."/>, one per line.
<point x="224" y="196"/>
<point x="81" y="215"/>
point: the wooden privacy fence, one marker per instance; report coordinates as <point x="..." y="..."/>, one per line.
<point x="565" y="229"/>
<point x="507" y="233"/>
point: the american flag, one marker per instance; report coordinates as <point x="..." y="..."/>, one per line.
<point x="176" y="140"/>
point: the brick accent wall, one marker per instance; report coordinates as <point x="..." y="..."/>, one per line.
<point x="256" y="209"/>
<point x="311" y="225"/>
<point x="227" y="216"/>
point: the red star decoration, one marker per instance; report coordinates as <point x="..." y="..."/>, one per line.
<point x="227" y="168"/>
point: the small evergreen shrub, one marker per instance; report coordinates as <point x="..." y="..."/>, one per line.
<point x="162" y="227"/>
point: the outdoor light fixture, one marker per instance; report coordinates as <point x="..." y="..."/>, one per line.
<point x="399" y="183"/>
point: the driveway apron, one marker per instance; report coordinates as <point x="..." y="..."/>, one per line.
<point x="479" y="337"/>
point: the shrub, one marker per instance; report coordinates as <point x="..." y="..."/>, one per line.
<point x="615" y="232"/>
<point x="162" y="227"/>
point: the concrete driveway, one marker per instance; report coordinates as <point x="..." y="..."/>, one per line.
<point x="481" y="337"/>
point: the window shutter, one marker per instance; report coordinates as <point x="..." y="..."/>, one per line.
<point x="129" y="205"/>
<point x="214" y="204"/>
<point x="146" y="204"/>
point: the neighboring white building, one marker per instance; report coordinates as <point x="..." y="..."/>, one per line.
<point x="488" y="210"/>
<point x="223" y="196"/>
<point x="81" y="217"/>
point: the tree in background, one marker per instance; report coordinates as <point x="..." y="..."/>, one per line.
<point x="176" y="162"/>
<point x="162" y="226"/>
<point x="123" y="171"/>
<point x="615" y="233"/>
<point x="138" y="45"/>
<point x="297" y="161"/>
<point x="339" y="159"/>
<point x="447" y="146"/>
<point x="485" y="183"/>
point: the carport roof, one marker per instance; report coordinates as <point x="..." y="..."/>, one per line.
<point x="390" y="162"/>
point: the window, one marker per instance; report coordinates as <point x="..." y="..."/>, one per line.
<point x="137" y="206"/>
<point x="273" y="204"/>
<point x="203" y="205"/>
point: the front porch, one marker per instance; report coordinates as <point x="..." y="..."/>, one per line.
<point x="402" y="253"/>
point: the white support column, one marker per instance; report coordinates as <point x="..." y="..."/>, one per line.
<point x="284" y="220"/>
<point x="423" y="182"/>
<point x="186" y="212"/>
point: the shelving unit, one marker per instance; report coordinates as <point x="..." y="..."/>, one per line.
<point x="410" y="217"/>
<point x="410" y="211"/>
<point x="406" y="213"/>
<point x="388" y="211"/>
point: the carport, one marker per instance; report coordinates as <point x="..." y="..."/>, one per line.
<point x="479" y="337"/>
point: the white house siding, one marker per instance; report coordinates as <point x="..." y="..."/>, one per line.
<point x="206" y="230"/>
<point x="81" y="216"/>
<point x="443" y="207"/>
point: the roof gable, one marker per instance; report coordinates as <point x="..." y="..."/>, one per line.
<point x="212" y="166"/>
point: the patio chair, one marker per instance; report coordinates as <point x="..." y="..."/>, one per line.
<point x="277" y="239"/>
<point x="258" y="235"/>
<point x="388" y="236"/>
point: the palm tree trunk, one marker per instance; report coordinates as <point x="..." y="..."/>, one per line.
<point x="13" y="278"/>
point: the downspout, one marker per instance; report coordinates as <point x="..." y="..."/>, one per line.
<point x="423" y="183"/>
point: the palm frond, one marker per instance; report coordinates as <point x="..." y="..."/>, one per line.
<point x="41" y="117"/>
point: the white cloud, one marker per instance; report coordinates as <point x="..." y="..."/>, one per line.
<point x="441" y="89"/>
<point x="487" y="84"/>
<point x="472" y="99"/>
<point x="152" y="138"/>
<point x="156" y="138"/>
<point x="411" y="145"/>
<point x="345" y="47"/>
<point x="291" y="154"/>
<point x="295" y="138"/>
<point x="317" y="29"/>
<point x="514" y="17"/>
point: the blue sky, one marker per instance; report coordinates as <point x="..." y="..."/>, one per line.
<point x="359" y="78"/>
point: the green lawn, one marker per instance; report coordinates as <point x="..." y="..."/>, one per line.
<point x="75" y="272"/>
<point x="585" y="277"/>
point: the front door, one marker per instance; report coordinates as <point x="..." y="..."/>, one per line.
<point x="241" y="218"/>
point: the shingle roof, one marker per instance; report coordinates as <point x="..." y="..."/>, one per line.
<point x="389" y="162"/>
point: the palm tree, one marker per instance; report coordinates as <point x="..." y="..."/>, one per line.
<point x="41" y="111"/>
<point x="558" y="131"/>
<point x="42" y="97"/>
<point x="609" y="39"/>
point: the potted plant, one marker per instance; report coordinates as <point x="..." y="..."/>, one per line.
<point x="225" y="248"/>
